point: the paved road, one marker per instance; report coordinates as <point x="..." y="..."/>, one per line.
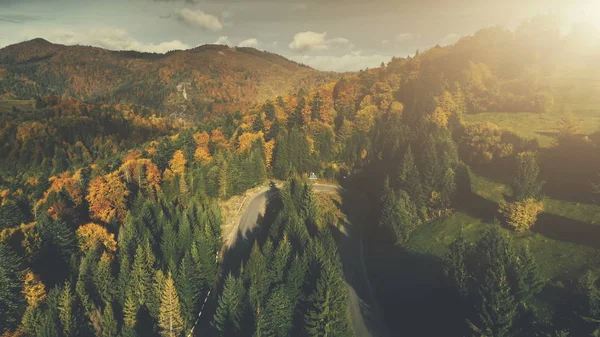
<point x="360" y="298"/>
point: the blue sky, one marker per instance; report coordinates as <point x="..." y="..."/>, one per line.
<point x="327" y="34"/>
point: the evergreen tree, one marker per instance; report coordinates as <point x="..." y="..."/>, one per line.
<point x="410" y="178"/>
<point x="258" y="124"/>
<point x="280" y="261"/>
<point x="281" y="159"/>
<point x="328" y="313"/>
<point x="130" y="310"/>
<point x="103" y="279"/>
<point x="279" y="313"/>
<point x="170" y="322"/>
<point x="109" y="323"/>
<point x="269" y="109"/>
<point x="141" y="274"/>
<point x="496" y="305"/>
<point x="455" y="265"/>
<point x="527" y="185"/>
<point x="258" y="277"/>
<point x="528" y="280"/>
<point x="229" y="310"/>
<point x="188" y="284"/>
<point x="11" y="300"/>
<point x="431" y="168"/>
<point x="66" y="311"/>
<point x="294" y="280"/>
<point x="315" y="109"/>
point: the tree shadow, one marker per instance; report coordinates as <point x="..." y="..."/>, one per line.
<point x="561" y="228"/>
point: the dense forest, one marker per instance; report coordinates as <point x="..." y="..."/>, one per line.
<point x="111" y="218"/>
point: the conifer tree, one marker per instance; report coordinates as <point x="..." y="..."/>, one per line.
<point x="410" y="178"/>
<point x="258" y="124"/>
<point x="327" y="314"/>
<point x="109" y="323"/>
<point x="170" y="322"/>
<point x="496" y="305"/>
<point x="11" y="301"/>
<point x="65" y="310"/>
<point x="529" y="281"/>
<point x="279" y="313"/>
<point x="130" y="310"/>
<point x="258" y="277"/>
<point x="188" y="284"/>
<point x="455" y="265"/>
<point x="527" y="184"/>
<point x="294" y="280"/>
<point x="229" y="310"/>
<point x="280" y="261"/>
<point x="431" y="168"/>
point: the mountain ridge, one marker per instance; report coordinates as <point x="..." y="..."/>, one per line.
<point x="216" y="78"/>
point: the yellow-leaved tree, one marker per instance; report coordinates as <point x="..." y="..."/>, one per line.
<point x="521" y="215"/>
<point x="107" y="197"/>
<point x="33" y="289"/>
<point x="92" y="235"/>
<point x="169" y="317"/>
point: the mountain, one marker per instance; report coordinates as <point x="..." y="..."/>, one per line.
<point x="204" y="80"/>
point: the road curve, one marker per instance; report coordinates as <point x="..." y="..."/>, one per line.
<point x="359" y="294"/>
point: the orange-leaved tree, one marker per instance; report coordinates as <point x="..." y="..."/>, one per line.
<point x="107" y="197"/>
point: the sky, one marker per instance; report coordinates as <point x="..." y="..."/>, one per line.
<point x="335" y="35"/>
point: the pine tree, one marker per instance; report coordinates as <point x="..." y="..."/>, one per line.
<point x="529" y="281"/>
<point x="170" y="322"/>
<point x="188" y="284"/>
<point x="316" y="107"/>
<point x="141" y="273"/>
<point x="269" y="109"/>
<point x="130" y="310"/>
<point x="109" y="323"/>
<point x="11" y="301"/>
<point x="406" y="217"/>
<point x="280" y="261"/>
<point x="258" y="124"/>
<point x="328" y="314"/>
<point x="388" y="205"/>
<point x="103" y="278"/>
<point x="229" y="310"/>
<point x="431" y="167"/>
<point x="281" y="159"/>
<point x="65" y="310"/>
<point x="153" y="302"/>
<point x="527" y="185"/>
<point x="279" y="313"/>
<point x="455" y="265"/>
<point x="410" y="178"/>
<point x="294" y="280"/>
<point x="496" y="305"/>
<point x="258" y="275"/>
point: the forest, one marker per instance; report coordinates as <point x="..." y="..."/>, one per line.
<point x="112" y="209"/>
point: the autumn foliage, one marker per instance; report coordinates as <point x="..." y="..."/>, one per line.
<point x="92" y="235"/>
<point x="521" y="215"/>
<point x="33" y="289"/>
<point x="107" y="197"/>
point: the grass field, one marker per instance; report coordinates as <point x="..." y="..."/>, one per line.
<point x="537" y="125"/>
<point x="563" y="240"/>
<point x="7" y="106"/>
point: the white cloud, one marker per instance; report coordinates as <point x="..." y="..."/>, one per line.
<point x="249" y="43"/>
<point x="449" y="39"/>
<point x="108" y="38"/>
<point x="312" y="41"/>
<point x="197" y="18"/>
<point x="353" y="61"/>
<point x="223" y="40"/>
<point x="404" y="37"/>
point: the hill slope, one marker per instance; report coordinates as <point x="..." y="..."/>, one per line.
<point x="206" y="79"/>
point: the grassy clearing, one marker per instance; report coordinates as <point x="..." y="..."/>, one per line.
<point x="557" y="259"/>
<point x="536" y="125"/>
<point x="7" y="105"/>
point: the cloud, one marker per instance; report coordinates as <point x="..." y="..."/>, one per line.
<point x="17" y="18"/>
<point x="449" y="39"/>
<point x="404" y="37"/>
<point x="312" y="41"/>
<point x="353" y="61"/>
<point x="249" y="43"/>
<point x="223" y="40"/>
<point x="108" y="38"/>
<point x="197" y="18"/>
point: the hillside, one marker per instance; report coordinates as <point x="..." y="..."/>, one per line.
<point x="200" y="81"/>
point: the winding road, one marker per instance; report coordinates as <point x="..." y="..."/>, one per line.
<point x="362" y="306"/>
